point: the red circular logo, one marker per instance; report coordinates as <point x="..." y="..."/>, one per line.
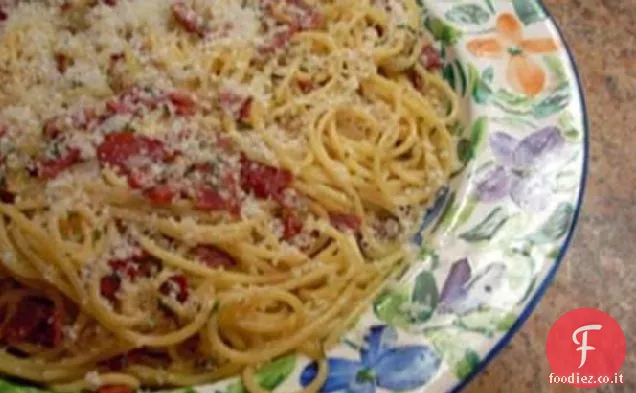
<point x="586" y="348"/>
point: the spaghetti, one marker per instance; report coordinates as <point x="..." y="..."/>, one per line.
<point x="191" y="189"/>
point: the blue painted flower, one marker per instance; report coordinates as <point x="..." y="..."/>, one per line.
<point x="382" y="364"/>
<point x="520" y="169"/>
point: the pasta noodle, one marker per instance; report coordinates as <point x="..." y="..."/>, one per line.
<point x="190" y="189"/>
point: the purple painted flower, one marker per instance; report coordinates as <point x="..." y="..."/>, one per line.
<point x="382" y="364"/>
<point x="518" y="171"/>
<point x="462" y="293"/>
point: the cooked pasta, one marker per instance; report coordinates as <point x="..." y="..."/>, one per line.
<point x="191" y="189"/>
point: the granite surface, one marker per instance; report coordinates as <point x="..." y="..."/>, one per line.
<point x="599" y="270"/>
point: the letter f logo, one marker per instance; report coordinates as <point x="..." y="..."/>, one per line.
<point x="583" y="345"/>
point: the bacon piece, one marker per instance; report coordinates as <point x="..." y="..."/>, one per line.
<point x="214" y="257"/>
<point x="280" y="40"/>
<point x="305" y="85"/>
<point x="188" y="18"/>
<point x="263" y="180"/>
<point x="184" y="103"/>
<point x="118" y="148"/>
<point x="343" y="221"/>
<point x="176" y="287"/>
<point x="109" y="286"/>
<point x="208" y="199"/>
<point x="3" y="15"/>
<point x="6" y="196"/>
<point x="62" y="62"/>
<point x="111" y="3"/>
<point x="36" y="321"/>
<point x="49" y="169"/>
<point x="115" y="389"/>
<point x="161" y="195"/>
<point x="430" y="59"/>
<point x="80" y="120"/>
<point x="293" y="12"/>
<point x="135" y="267"/>
<point x="235" y="105"/>
<point x="292" y="223"/>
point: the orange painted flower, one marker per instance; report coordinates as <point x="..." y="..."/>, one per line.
<point x="524" y="74"/>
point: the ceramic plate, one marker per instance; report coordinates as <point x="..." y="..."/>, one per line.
<point x="493" y="241"/>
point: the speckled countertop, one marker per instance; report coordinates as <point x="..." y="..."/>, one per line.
<point x="600" y="267"/>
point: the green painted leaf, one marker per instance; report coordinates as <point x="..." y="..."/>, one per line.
<point x="555" y="65"/>
<point x="389" y="306"/>
<point x="568" y="127"/>
<point x="271" y="376"/>
<point x="275" y="372"/>
<point x="456" y="352"/>
<point x="507" y="322"/>
<point x="556" y="226"/>
<point x="514" y="122"/>
<point x="443" y="32"/>
<point x="528" y="11"/>
<point x="521" y="272"/>
<point x="425" y="296"/>
<point x="488" y="227"/>
<point x="552" y="104"/>
<point x="449" y="75"/>
<point x="478" y="133"/>
<point x="566" y="181"/>
<point x="480" y="84"/>
<point x="468" y="14"/>
<point x="467" y="365"/>
<point x="464" y="150"/>
<point x="491" y="7"/>
<point x="487" y="321"/>
<point x="513" y="103"/>
<point x="427" y="253"/>
<point x="467" y="148"/>
<point x="459" y="215"/>
<point x="462" y="77"/>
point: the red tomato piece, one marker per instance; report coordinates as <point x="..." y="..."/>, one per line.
<point x="62" y="62"/>
<point x="208" y="199"/>
<point x="49" y="169"/>
<point x="306" y="86"/>
<point x="176" y="287"/>
<point x="343" y="221"/>
<point x="118" y="148"/>
<point x="161" y="195"/>
<point x="280" y="40"/>
<point x="144" y="265"/>
<point x="36" y="321"/>
<point x="6" y="196"/>
<point x="184" y="103"/>
<point x="188" y="18"/>
<point x="214" y="257"/>
<point x="292" y="223"/>
<point x="430" y="59"/>
<point x="109" y="286"/>
<point x="263" y="180"/>
<point x="246" y="109"/>
<point x="235" y="105"/>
